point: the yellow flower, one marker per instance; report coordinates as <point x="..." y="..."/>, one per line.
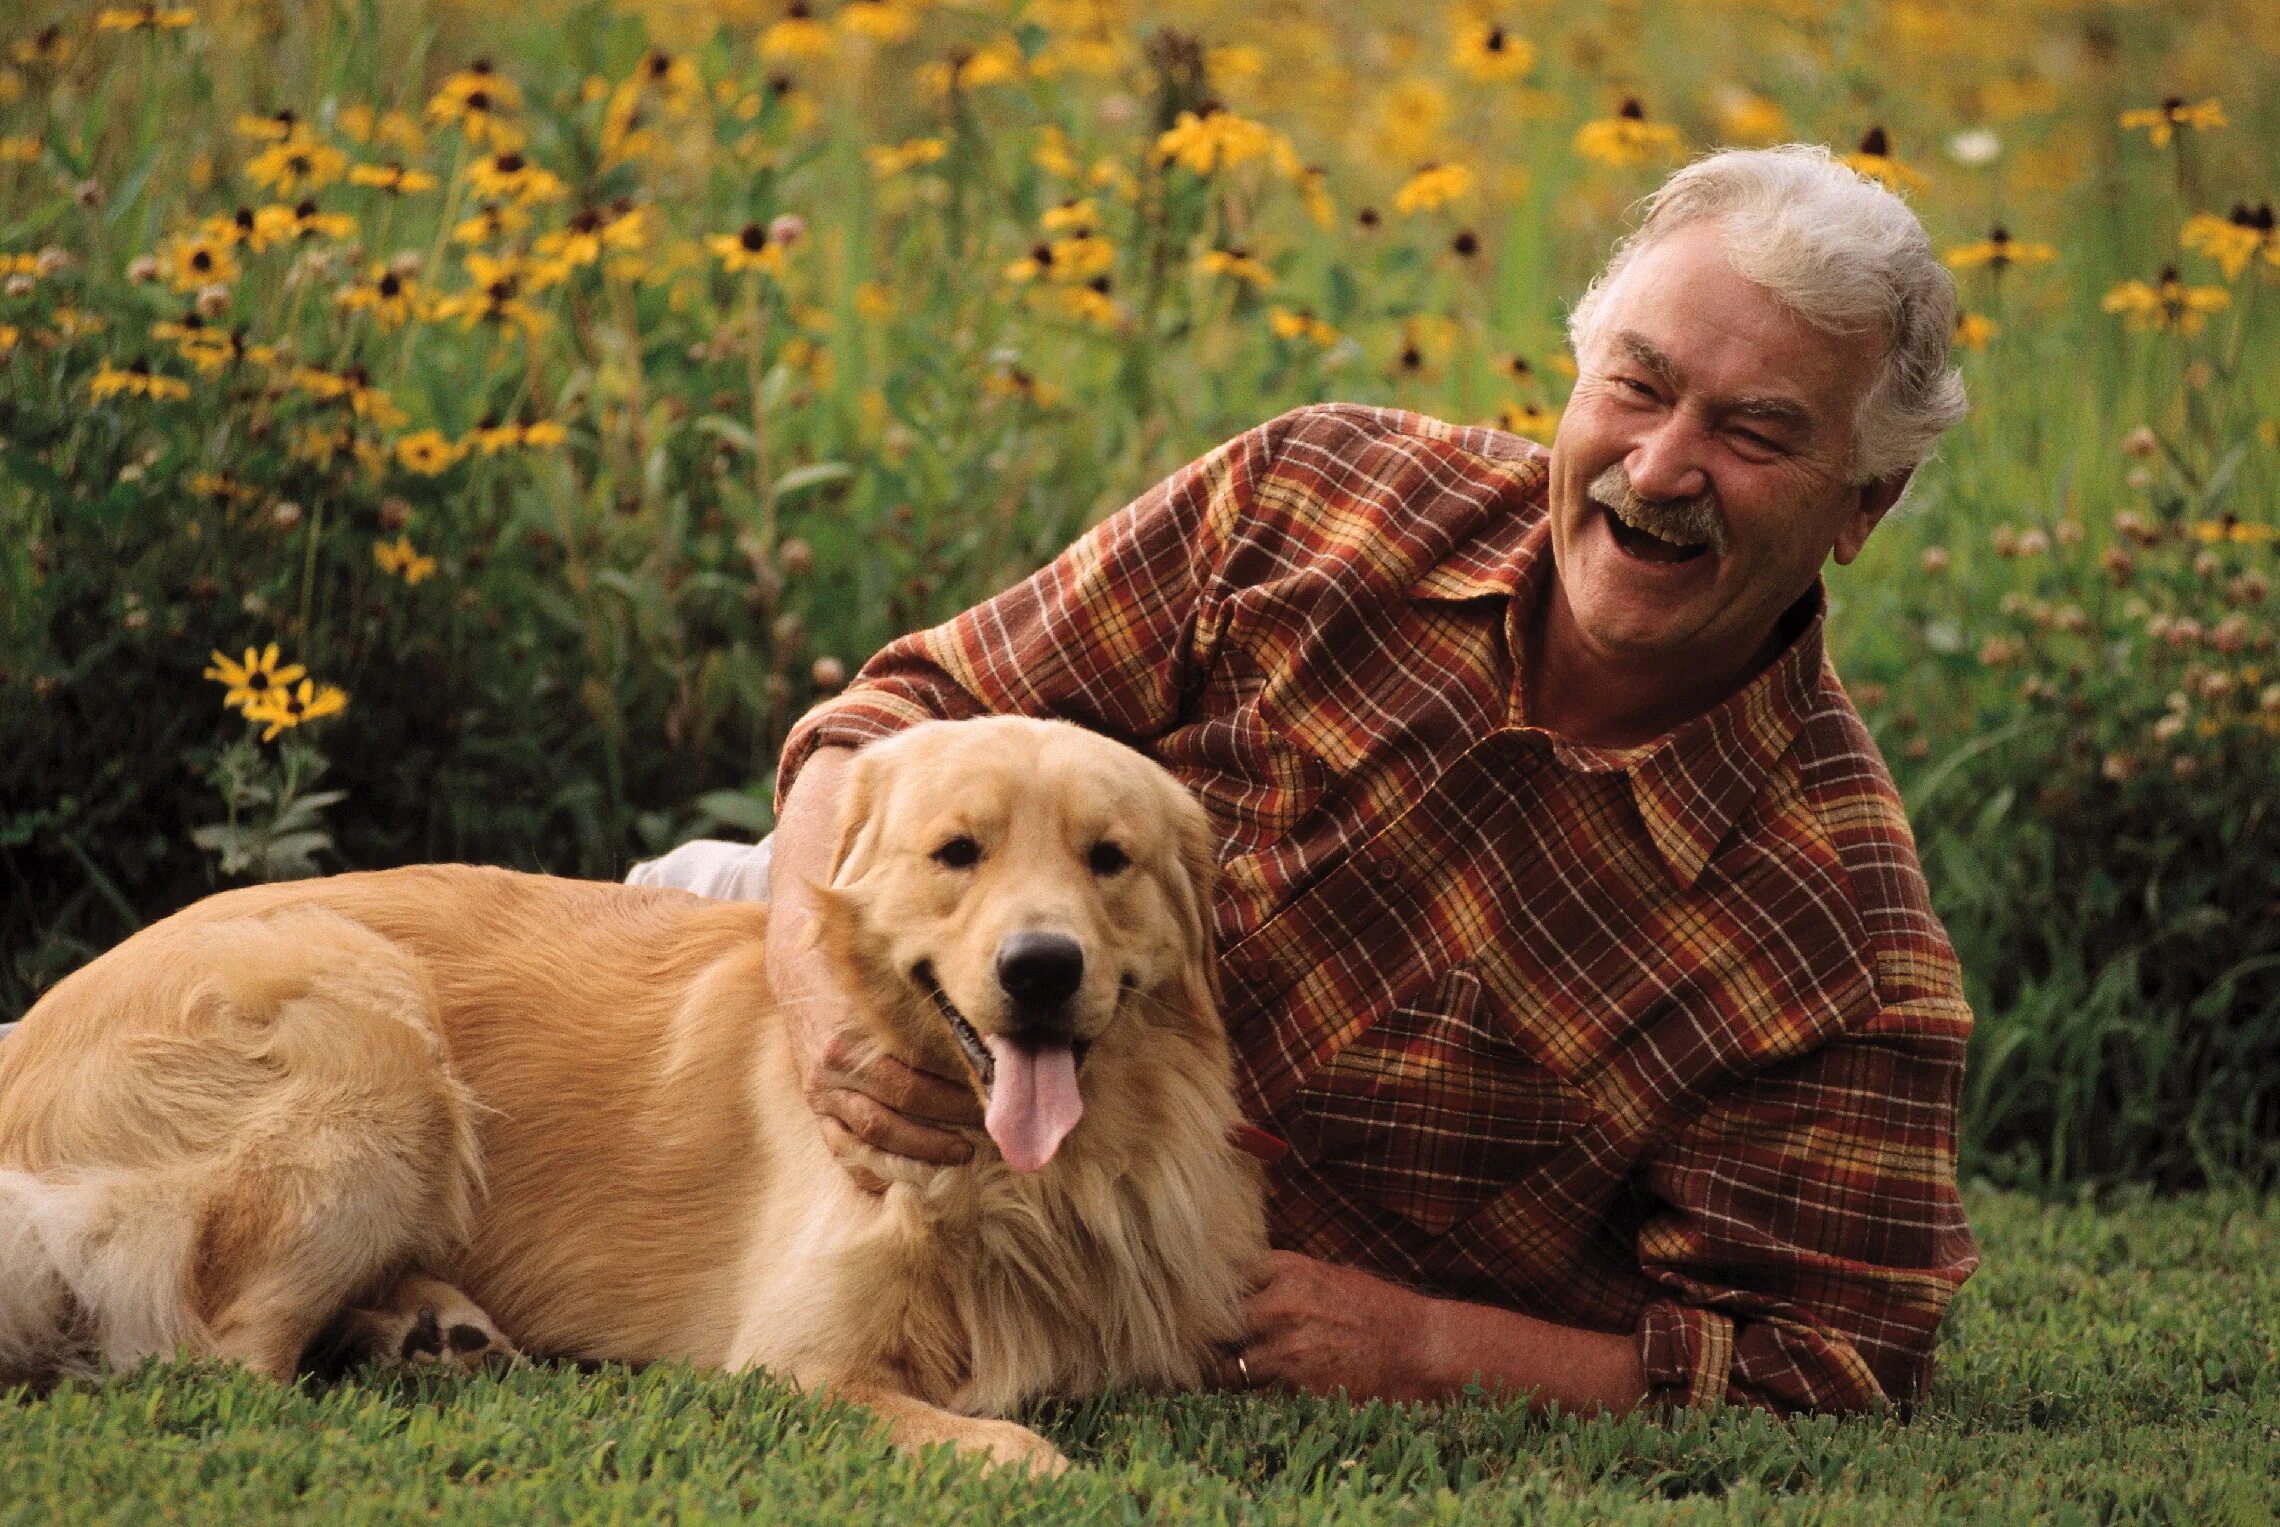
<point x="1537" y="421"/>
<point x="392" y="178"/>
<point x="888" y="160"/>
<point x="798" y="35"/>
<point x="192" y="261"/>
<point x="401" y="561"/>
<point x="1300" y="323"/>
<point x="749" y="248"/>
<point x="9" y="335"/>
<point x="542" y="433"/>
<point x="1213" y="140"/>
<point x="301" y="163"/>
<point x="1489" y="50"/>
<point x="274" y="128"/>
<point x="427" y="452"/>
<point x="1014" y="382"/>
<point x="1433" y="187"/>
<point x="1998" y="252"/>
<point x="1237" y="263"/>
<point x="1628" y="138"/>
<point x="255" y="679"/>
<point x="475" y="100"/>
<point x="873" y="302"/>
<point x="2168" y="305"/>
<point x="492" y="222"/>
<point x="1054" y="154"/>
<point x="1314" y="196"/>
<point x="136" y="380"/>
<point x="998" y="62"/>
<point x="2161" y="122"/>
<point x="2235" y="240"/>
<point x="392" y="300"/>
<point x="144" y="18"/>
<point x="19" y="151"/>
<point x="512" y="175"/>
<point x="1875" y="159"/>
<point x="882" y="21"/>
<point x="496" y="297"/>
<point x="48" y="48"/>
<point x="1974" y="330"/>
<point x="281" y="708"/>
<point x="1744" y="116"/>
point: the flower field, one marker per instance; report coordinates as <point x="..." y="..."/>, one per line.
<point x="444" y="431"/>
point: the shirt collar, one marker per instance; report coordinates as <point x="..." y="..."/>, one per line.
<point x="1692" y="784"/>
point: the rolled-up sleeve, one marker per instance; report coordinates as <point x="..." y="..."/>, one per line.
<point x="1809" y="1231"/>
<point x="1108" y="635"/>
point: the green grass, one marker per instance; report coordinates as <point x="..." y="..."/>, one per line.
<point x="2107" y="1364"/>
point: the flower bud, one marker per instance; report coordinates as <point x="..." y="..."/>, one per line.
<point x="795" y="556"/>
<point x="787" y="229"/>
<point x="284" y="514"/>
<point x="2006" y="541"/>
<point x="1935" y="559"/>
<point x="828" y="673"/>
<point x="2184" y="766"/>
<point x="2033" y="542"/>
<point x="90" y="193"/>
<point x="20" y="285"/>
<point x="395" y="514"/>
<point x="142" y="269"/>
<point x="2140" y="442"/>
<point x="53" y="260"/>
<point x="2230" y="635"/>
<point x="213" y="300"/>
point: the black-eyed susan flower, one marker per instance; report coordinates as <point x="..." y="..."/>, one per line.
<point x="1745" y="116"/>
<point x="669" y="81"/>
<point x="1998" y="252"/>
<point x="19" y="149"/>
<point x="392" y="178"/>
<point x="747" y="249"/>
<point x="1434" y="186"/>
<point x="1055" y="154"/>
<point x="390" y="129"/>
<point x="1238" y="264"/>
<point x="300" y="164"/>
<point x="2162" y="122"/>
<point x="882" y="21"/>
<point x="1087" y="302"/>
<point x="144" y="18"/>
<point x="2234" y="240"/>
<point x="1538" y="421"/>
<point x="10" y="337"/>
<point x="276" y="127"/>
<point x="1314" y="195"/>
<point x="796" y="35"/>
<point x="2166" y="306"/>
<point x="428" y="452"/>
<point x="1973" y="331"/>
<point x="191" y="261"/>
<point x="891" y="159"/>
<point x="136" y="380"/>
<point x="997" y="62"/>
<point x="279" y="224"/>
<point x="1875" y="159"/>
<point x="282" y="708"/>
<point x="1012" y="381"/>
<point x="477" y="101"/>
<point x="1213" y="139"/>
<point x="512" y="176"/>
<point x="1628" y="138"/>
<point x="255" y="679"/>
<point x="50" y="47"/>
<point x="492" y="222"/>
<point x="1301" y="323"/>
<point x="399" y="559"/>
<point x="496" y="298"/>
<point x="1487" y="49"/>
<point x="390" y="298"/>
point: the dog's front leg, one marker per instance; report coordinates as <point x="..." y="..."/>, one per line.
<point x="914" y="1424"/>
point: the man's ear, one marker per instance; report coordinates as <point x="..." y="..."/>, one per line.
<point x="1876" y="501"/>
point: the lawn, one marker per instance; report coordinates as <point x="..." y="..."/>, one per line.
<point x="2108" y="1364"/>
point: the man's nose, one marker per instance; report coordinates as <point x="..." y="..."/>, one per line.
<point x="1665" y="461"/>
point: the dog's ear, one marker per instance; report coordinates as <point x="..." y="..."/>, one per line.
<point x="860" y="828"/>
<point x="1194" y="884"/>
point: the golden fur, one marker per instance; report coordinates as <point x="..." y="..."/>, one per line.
<point x="572" y="1108"/>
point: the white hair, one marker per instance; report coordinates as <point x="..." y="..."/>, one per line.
<point x="1844" y="254"/>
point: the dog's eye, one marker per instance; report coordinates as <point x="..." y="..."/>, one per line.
<point x="1107" y="858"/>
<point x="960" y="853"/>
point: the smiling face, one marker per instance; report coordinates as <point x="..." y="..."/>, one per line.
<point x="1730" y="422"/>
<point x="1023" y="896"/>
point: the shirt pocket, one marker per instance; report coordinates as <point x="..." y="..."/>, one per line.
<point x="1433" y="1110"/>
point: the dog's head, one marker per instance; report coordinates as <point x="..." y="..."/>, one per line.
<point x="1021" y="900"/>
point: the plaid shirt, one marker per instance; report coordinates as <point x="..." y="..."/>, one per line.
<point x="1664" y="1040"/>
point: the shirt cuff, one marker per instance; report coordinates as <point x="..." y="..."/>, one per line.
<point x="853" y="719"/>
<point x="1688" y="1353"/>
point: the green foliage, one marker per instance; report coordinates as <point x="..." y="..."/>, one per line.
<point x="2108" y="1365"/>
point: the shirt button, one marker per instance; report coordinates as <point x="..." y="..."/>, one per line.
<point x="1385" y="868"/>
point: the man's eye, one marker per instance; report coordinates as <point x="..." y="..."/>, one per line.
<point x="959" y="853"/>
<point x="1107" y="858"/>
<point x="1757" y="442"/>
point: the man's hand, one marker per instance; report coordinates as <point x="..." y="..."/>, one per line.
<point x="1322" y="1328"/>
<point x="885" y="1104"/>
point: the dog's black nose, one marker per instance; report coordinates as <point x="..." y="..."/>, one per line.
<point x="1040" y="970"/>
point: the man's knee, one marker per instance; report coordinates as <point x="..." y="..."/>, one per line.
<point x="708" y="867"/>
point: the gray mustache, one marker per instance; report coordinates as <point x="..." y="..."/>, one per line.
<point x="1692" y="521"/>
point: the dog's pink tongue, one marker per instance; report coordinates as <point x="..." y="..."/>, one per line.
<point x="1033" y="1101"/>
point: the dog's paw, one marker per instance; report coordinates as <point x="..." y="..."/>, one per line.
<point x="452" y="1338"/>
<point x="1008" y="1446"/>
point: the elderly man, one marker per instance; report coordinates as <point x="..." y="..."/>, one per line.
<point x="1574" y="939"/>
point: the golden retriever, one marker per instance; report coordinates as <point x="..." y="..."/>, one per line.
<point x="446" y="1112"/>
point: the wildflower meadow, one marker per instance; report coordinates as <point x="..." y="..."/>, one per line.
<point x="452" y="431"/>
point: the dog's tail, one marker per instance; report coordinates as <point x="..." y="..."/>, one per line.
<point x="86" y="1277"/>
